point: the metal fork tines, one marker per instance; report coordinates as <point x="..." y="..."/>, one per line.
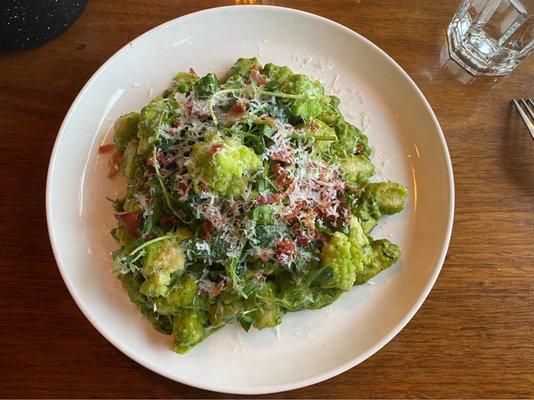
<point x="526" y="110"/>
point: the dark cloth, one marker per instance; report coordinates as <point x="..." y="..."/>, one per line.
<point x="29" y="23"/>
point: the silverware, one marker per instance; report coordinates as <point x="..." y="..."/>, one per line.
<point x="526" y="108"/>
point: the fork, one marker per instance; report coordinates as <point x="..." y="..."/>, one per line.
<point x="529" y="121"/>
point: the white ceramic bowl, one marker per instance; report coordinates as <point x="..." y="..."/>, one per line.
<point x="309" y="346"/>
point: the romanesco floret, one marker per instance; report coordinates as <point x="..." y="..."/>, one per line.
<point x="346" y="255"/>
<point x="337" y="255"/>
<point x="224" y="165"/>
<point x="161" y="260"/>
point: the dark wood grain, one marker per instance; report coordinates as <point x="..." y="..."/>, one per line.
<point x="473" y="337"/>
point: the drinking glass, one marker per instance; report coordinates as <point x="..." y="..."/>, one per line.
<point x="490" y="37"/>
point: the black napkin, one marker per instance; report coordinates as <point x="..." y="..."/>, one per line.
<point x="29" y="23"/>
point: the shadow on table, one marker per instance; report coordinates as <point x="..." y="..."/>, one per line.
<point x="518" y="151"/>
<point x="456" y="71"/>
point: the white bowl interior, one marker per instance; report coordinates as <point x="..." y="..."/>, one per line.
<point x="309" y="346"/>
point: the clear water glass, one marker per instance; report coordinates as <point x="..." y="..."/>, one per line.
<point x="490" y="37"/>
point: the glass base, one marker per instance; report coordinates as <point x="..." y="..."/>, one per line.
<point x="465" y="57"/>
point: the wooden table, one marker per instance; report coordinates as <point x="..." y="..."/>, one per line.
<point x="473" y="337"/>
